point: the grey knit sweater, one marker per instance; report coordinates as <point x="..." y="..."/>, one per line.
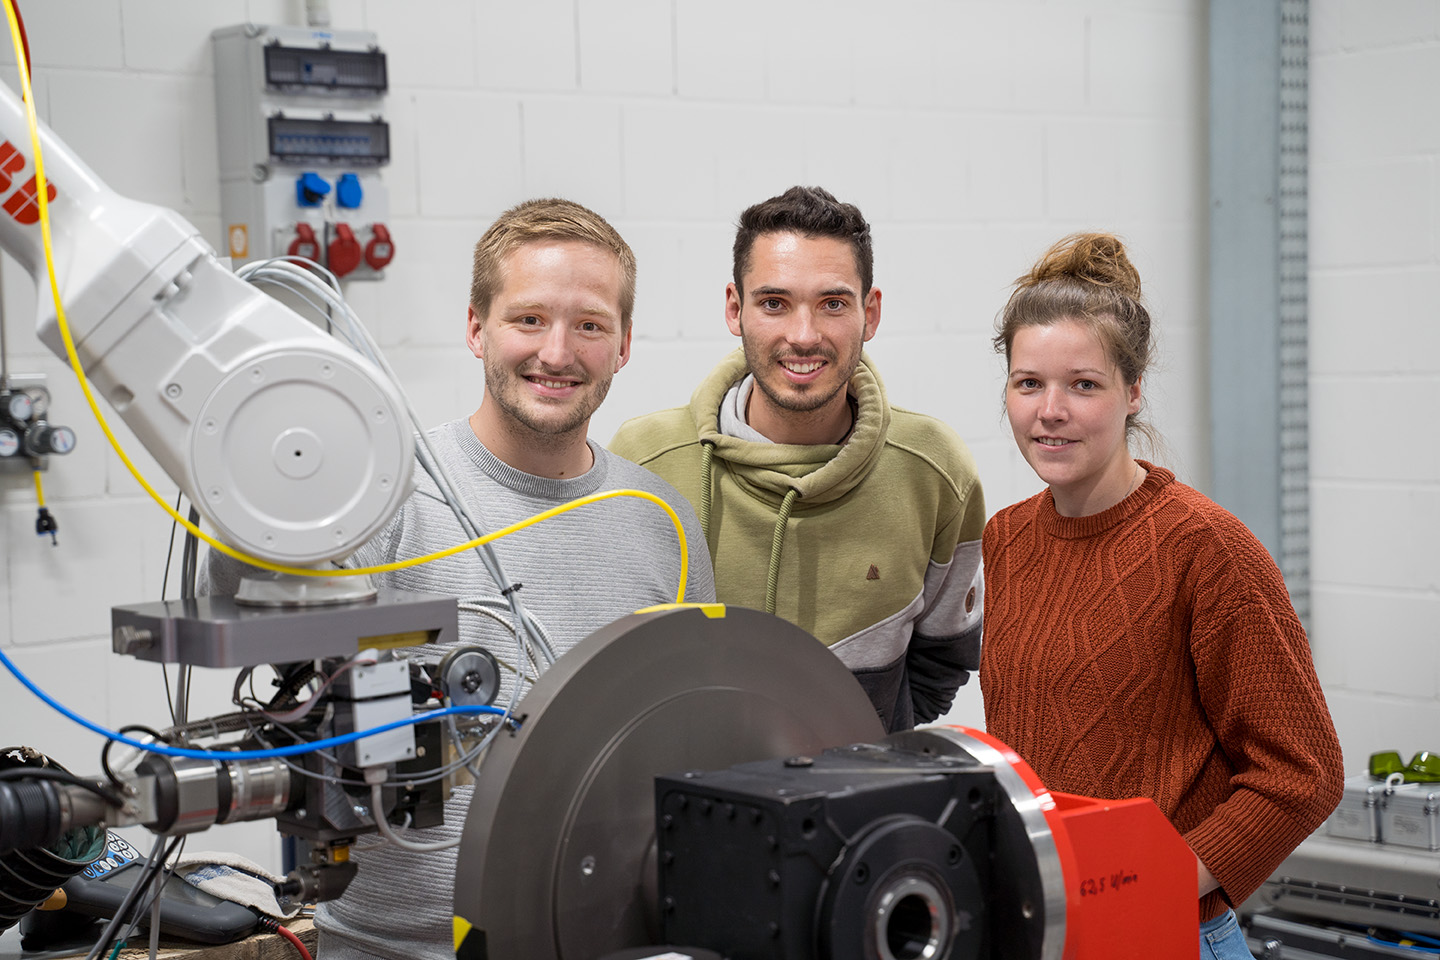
<point x="580" y="571"/>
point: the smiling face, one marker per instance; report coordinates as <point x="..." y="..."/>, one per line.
<point x="551" y="342"/>
<point x="1067" y="404"/>
<point x="802" y="320"/>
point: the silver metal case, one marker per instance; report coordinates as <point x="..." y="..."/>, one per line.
<point x="1410" y="815"/>
<point x="1358" y="815"/>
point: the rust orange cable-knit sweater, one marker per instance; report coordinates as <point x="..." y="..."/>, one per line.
<point x="1151" y="651"/>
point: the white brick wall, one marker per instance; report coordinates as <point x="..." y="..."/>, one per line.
<point x="1375" y="371"/>
<point x="972" y="133"/>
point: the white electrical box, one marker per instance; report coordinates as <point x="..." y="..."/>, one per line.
<point x="303" y="138"/>
<point x="376" y="694"/>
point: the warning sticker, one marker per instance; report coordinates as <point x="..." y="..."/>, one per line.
<point x="239" y="240"/>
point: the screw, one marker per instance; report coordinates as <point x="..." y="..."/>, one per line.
<point x="130" y="639"/>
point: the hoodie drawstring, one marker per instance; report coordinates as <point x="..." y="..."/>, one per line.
<point x="707" y="452"/>
<point x="782" y="521"/>
<point x="772" y="579"/>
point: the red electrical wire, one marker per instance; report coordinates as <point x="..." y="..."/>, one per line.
<point x="24" y="37"/>
<point x="288" y="934"/>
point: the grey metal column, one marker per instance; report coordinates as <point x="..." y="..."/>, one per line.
<point x="1258" y="275"/>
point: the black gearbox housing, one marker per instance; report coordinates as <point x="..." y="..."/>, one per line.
<point x="862" y="852"/>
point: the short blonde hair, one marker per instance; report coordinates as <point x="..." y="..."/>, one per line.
<point x="546" y="219"/>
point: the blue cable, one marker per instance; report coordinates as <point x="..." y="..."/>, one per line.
<point x="1411" y="935"/>
<point x="223" y="755"/>
<point x="1428" y="951"/>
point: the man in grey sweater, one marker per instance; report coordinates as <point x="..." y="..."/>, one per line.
<point x="549" y="316"/>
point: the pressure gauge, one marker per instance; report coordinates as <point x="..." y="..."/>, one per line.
<point x="39" y="401"/>
<point x="42" y="439"/>
<point x="9" y="442"/>
<point x="62" y="439"/>
<point x="20" y="406"/>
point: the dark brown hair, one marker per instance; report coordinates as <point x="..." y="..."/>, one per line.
<point x="810" y="212"/>
<point x="1087" y="278"/>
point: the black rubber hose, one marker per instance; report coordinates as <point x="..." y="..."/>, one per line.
<point x="31" y="831"/>
<point x="30" y="814"/>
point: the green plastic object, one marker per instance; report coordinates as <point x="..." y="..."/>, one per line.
<point x="1424" y="767"/>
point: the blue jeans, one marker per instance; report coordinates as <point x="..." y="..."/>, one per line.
<point x="1222" y="939"/>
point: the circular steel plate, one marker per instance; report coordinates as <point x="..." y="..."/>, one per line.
<point x="557" y="857"/>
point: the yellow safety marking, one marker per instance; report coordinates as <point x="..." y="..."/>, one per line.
<point x="715" y="611"/>
<point x="388" y="641"/>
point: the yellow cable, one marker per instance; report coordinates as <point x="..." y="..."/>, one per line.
<point x="546" y="515"/>
<point x="44" y="204"/>
<point x="39" y="487"/>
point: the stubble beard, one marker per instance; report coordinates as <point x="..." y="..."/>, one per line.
<point x="507" y="388"/>
<point x="802" y="398"/>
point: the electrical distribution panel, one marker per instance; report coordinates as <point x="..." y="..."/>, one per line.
<point x="303" y="138"/>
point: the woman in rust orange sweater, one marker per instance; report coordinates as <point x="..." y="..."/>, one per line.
<point x="1139" y="641"/>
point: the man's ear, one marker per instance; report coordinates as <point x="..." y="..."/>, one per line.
<point x="733" y="305"/>
<point x="473" y="339"/>
<point x="872" y="312"/>
<point x="624" y="357"/>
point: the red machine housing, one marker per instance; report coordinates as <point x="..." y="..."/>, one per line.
<point x="1129" y="879"/>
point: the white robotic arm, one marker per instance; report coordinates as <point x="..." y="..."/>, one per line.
<point x="294" y="446"/>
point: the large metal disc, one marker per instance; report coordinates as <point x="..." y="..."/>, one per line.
<point x="557" y="857"/>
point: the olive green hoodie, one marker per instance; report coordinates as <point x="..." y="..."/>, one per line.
<point x="872" y="545"/>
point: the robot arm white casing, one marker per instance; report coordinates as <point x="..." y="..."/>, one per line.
<point x="294" y="446"/>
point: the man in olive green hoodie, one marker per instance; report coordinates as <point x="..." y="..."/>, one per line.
<point x="821" y="503"/>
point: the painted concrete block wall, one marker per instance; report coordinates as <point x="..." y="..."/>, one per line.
<point x="971" y="132"/>
<point x="1375" y="371"/>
